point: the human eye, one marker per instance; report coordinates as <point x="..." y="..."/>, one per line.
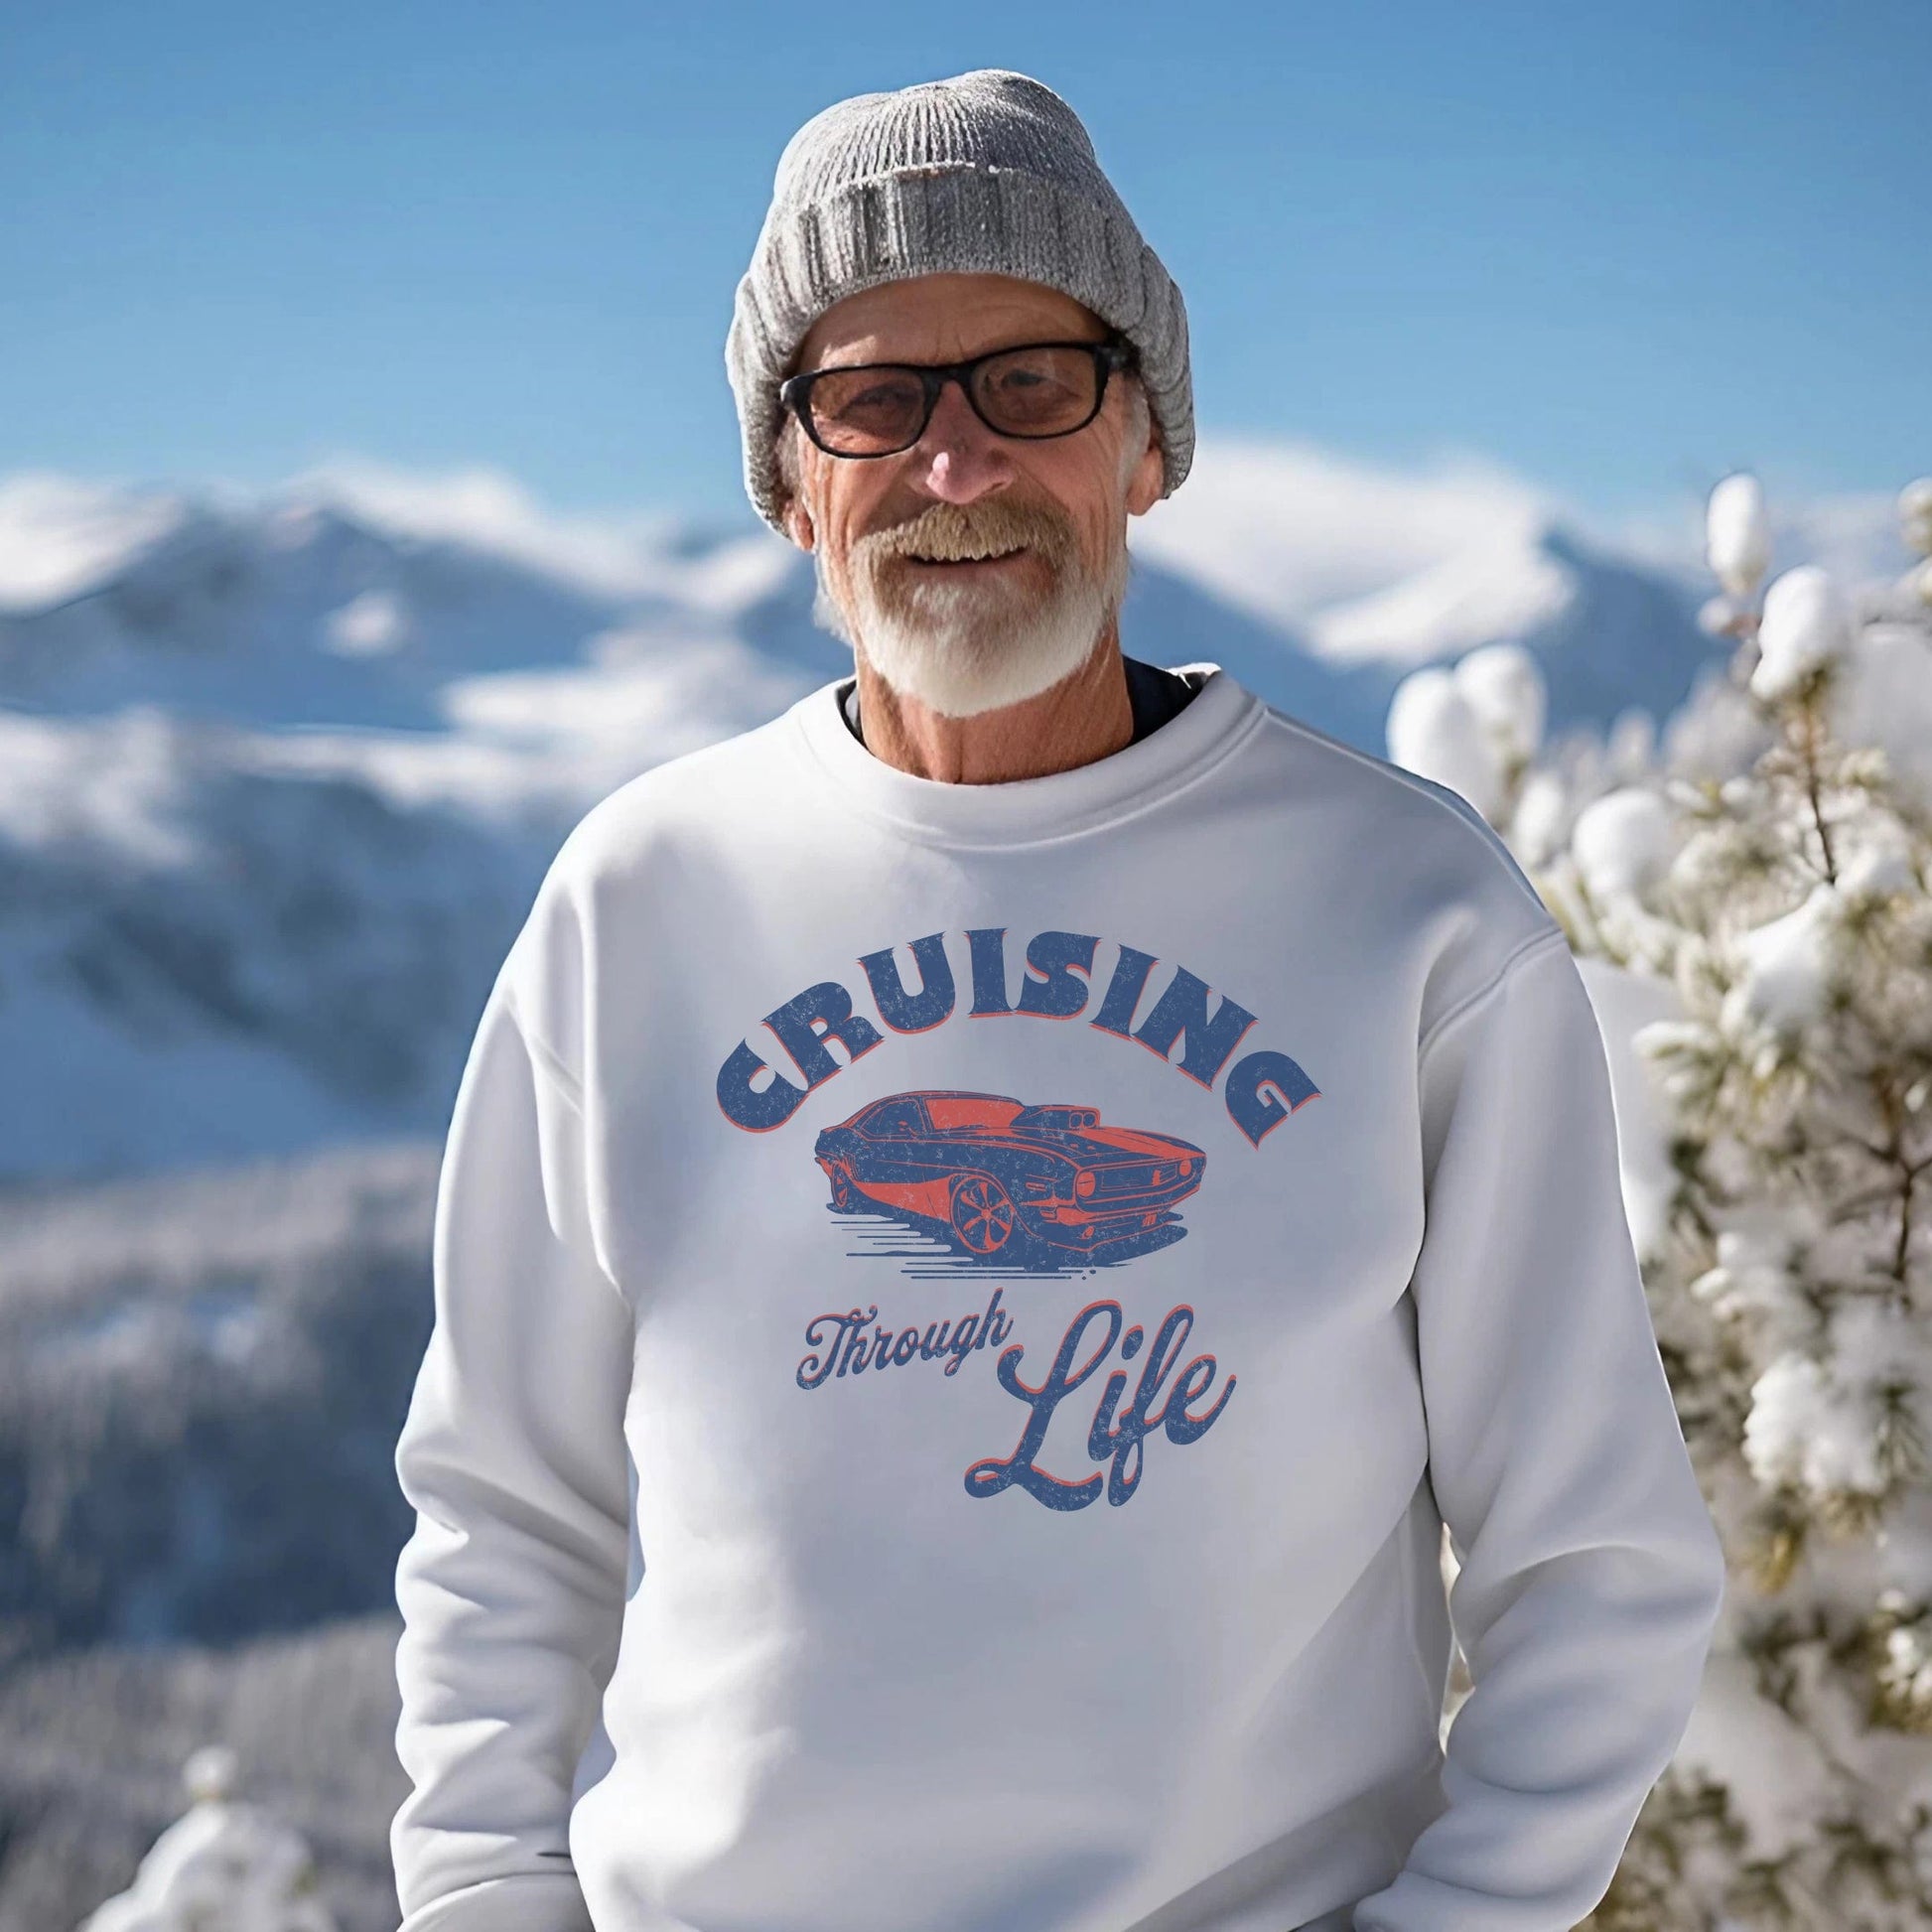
<point x="863" y="407"/>
<point x="1039" y="388"/>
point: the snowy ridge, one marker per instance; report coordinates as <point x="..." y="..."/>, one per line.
<point x="1509" y="587"/>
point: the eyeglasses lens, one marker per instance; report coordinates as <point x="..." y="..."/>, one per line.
<point x="867" y="412"/>
<point x="1025" y="392"/>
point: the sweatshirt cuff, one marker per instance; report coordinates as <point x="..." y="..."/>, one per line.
<point x="527" y="1902"/>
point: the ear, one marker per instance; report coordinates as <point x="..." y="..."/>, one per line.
<point x="798" y="523"/>
<point x="1150" y="472"/>
<point x="788" y="453"/>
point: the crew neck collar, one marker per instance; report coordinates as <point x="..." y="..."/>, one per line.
<point x="1025" y="811"/>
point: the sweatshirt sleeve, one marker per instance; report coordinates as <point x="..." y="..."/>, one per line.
<point x="512" y="1585"/>
<point x="1591" y="1570"/>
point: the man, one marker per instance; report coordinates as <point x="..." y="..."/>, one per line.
<point x="878" y="1472"/>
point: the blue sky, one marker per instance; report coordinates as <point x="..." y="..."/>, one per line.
<point x="1619" y="250"/>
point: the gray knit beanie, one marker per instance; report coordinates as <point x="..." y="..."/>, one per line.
<point x="988" y="173"/>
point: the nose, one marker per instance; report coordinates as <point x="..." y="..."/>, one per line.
<point x="960" y="460"/>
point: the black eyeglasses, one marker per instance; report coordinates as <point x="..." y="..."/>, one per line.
<point x="1035" y="391"/>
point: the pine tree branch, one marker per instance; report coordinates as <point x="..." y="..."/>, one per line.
<point x="1809" y="712"/>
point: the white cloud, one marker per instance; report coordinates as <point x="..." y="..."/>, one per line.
<point x="612" y="553"/>
<point x="58" y="534"/>
<point x="1285" y="530"/>
<point x="486" y="508"/>
<point x="366" y="626"/>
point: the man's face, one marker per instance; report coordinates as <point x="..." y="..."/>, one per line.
<point x="886" y="532"/>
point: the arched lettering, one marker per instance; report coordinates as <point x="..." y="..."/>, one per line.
<point x="903" y="1012"/>
<point x="1181" y="1012"/>
<point x="1057" y="965"/>
<point x="821" y="1013"/>
<point x="756" y="1109"/>
<point x="1263" y="1090"/>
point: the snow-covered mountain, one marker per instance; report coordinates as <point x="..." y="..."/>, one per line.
<point x="1375" y="572"/>
<point x="201" y="1380"/>
<point x="278" y="779"/>
<point x="279" y="774"/>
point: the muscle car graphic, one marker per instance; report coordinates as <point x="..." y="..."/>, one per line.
<point x="995" y="1176"/>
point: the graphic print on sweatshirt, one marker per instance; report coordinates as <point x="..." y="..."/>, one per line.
<point x="958" y="1181"/>
<point x="997" y="1182"/>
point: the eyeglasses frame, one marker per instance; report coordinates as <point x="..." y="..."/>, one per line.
<point x="1112" y="353"/>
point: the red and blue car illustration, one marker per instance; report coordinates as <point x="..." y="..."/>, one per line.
<point x="998" y="1177"/>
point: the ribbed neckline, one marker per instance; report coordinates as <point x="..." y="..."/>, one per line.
<point x="1031" y="811"/>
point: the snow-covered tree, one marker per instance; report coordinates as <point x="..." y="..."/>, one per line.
<point x="224" y="1866"/>
<point x="1751" y="905"/>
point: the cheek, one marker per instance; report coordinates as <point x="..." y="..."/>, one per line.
<point x="847" y="499"/>
<point x="1087" y="483"/>
<point x="1095" y="503"/>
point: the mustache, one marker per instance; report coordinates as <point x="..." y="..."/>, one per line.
<point x="955" y="532"/>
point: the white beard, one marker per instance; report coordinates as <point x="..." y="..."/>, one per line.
<point x="964" y="649"/>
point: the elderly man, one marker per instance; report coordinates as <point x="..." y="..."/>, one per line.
<point x="876" y="1473"/>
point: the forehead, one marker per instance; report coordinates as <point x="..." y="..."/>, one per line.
<point x="943" y="318"/>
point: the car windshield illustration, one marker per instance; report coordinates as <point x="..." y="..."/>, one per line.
<point x="997" y="1177"/>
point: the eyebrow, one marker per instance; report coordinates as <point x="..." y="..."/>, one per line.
<point x="937" y="361"/>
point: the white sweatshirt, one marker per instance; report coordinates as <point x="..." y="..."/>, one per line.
<point x="957" y="1310"/>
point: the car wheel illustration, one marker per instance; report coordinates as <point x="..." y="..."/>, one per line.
<point x="845" y="1196"/>
<point x="981" y="1213"/>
